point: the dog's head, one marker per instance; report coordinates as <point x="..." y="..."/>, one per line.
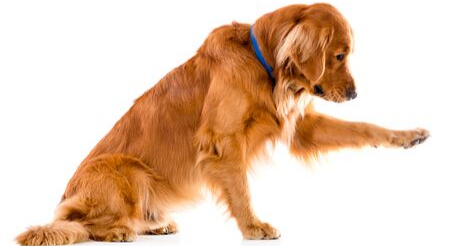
<point x="313" y="46"/>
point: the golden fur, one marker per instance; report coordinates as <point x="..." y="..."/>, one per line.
<point x="205" y="122"/>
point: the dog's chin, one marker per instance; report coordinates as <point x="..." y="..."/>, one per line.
<point x="331" y="98"/>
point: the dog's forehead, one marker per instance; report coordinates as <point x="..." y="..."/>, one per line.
<point x="342" y="30"/>
<point x="343" y="37"/>
<point x="328" y="16"/>
<point x="343" y="34"/>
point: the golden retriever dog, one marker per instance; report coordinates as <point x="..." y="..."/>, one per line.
<point x="206" y="121"/>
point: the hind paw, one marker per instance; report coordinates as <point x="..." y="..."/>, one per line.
<point x="171" y="228"/>
<point x="121" y="234"/>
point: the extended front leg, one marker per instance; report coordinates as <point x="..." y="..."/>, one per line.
<point x="317" y="133"/>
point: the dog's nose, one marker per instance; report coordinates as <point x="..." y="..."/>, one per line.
<point x="318" y="90"/>
<point x="351" y="93"/>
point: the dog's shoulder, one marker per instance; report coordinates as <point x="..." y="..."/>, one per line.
<point x="226" y="40"/>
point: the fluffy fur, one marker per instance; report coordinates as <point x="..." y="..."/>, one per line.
<point x="205" y="122"/>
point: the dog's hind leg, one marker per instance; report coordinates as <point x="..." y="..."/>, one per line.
<point x="115" y="197"/>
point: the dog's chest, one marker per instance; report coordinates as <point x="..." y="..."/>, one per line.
<point x="289" y="111"/>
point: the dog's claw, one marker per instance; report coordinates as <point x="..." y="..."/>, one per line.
<point x="408" y="139"/>
<point x="259" y="231"/>
<point x="415" y="142"/>
<point x="420" y="135"/>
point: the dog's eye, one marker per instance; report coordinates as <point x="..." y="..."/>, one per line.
<point x="340" y="57"/>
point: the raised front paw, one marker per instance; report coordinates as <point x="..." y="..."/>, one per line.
<point x="408" y="139"/>
<point x="259" y="231"/>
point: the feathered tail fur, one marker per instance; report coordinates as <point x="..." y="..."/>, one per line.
<point x="56" y="233"/>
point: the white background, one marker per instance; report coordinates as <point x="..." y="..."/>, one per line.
<point x="70" y="69"/>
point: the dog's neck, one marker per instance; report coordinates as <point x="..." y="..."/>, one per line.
<point x="260" y="33"/>
<point x="291" y="101"/>
<point x="260" y="56"/>
<point x="269" y="32"/>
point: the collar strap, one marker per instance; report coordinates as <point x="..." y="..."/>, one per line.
<point x="259" y="55"/>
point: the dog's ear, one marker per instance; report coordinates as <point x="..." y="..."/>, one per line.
<point x="305" y="46"/>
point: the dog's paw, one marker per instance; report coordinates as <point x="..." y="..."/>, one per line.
<point x="122" y="234"/>
<point x="259" y="231"/>
<point x="171" y="228"/>
<point x="408" y="139"/>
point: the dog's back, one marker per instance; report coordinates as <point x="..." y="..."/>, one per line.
<point x="160" y="127"/>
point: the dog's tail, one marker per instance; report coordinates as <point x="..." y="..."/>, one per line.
<point x="57" y="233"/>
<point x="62" y="231"/>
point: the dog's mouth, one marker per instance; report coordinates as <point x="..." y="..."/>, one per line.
<point x="333" y="96"/>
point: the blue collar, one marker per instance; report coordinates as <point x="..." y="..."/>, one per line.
<point x="259" y="55"/>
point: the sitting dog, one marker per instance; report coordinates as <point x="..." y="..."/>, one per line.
<point x="206" y="121"/>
